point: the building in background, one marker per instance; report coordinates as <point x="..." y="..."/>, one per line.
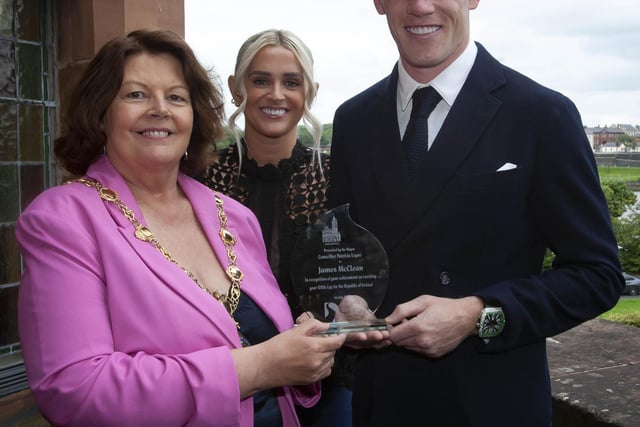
<point x="605" y="139"/>
<point x="44" y="47"/>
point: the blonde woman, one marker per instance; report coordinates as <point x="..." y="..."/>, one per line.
<point x="283" y="182"/>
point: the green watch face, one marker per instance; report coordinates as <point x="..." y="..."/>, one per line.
<point x="491" y="322"/>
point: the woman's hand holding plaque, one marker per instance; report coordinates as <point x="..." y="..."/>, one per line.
<point x="340" y="273"/>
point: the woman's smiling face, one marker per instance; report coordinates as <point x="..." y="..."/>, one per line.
<point x="149" y="123"/>
<point x="275" y="93"/>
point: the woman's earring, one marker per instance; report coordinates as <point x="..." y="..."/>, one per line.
<point x="235" y="102"/>
<point x="186" y="155"/>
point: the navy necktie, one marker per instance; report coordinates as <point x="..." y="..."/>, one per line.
<point x="415" y="141"/>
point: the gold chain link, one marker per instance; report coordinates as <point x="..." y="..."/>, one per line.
<point x="232" y="298"/>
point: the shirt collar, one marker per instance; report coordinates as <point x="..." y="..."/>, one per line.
<point x="448" y="83"/>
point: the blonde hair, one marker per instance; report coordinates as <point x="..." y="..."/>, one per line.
<point x="248" y="51"/>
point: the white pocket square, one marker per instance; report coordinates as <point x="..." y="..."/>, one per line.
<point x="507" y="166"/>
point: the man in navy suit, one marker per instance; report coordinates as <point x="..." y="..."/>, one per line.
<point x="506" y="173"/>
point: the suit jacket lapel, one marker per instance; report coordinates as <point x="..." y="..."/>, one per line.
<point x="388" y="160"/>
<point x="470" y="114"/>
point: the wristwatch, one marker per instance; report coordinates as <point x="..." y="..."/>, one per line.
<point x="490" y="322"/>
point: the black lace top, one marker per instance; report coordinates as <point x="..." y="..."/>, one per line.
<point x="285" y="199"/>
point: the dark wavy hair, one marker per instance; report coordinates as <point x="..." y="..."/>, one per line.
<point x="83" y="140"/>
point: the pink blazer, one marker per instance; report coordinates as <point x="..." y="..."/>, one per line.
<point x="114" y="334"/>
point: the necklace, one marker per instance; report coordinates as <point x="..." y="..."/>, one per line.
<point x="232" y="298"/>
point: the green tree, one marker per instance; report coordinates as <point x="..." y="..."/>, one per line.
<point x="548" y="259"/>
<point x="304" y="136"/>
<point x="627" y="140"/>
<point x="627" y="232"/>
<point x="226" y="140"/>
<point x="619" y="196"/>
<point x="327" y="134"/>
<point x="621" y="199"/>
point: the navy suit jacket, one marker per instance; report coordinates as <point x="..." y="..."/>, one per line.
<point x="461" y="228"/>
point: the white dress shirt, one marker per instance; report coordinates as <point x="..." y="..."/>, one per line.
<point x="448" y="84"/>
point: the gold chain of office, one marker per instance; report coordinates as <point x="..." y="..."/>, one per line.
<point x="232" y="298"/>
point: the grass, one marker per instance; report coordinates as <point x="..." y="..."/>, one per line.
<point x="627" y="311"/>
<point x="624" y="174"/>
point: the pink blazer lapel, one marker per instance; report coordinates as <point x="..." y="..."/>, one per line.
<point x="258" y="283"/>
<point x="169" y="274"/>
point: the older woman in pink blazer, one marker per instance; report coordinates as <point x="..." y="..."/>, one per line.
<point x="147" y="299"/>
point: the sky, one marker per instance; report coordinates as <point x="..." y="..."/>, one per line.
<point x="589" y="50"/>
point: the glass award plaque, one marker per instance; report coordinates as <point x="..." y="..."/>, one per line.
<point x="340" y="273"/>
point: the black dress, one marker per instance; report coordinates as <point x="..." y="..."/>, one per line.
<point x="256" y="327"/>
